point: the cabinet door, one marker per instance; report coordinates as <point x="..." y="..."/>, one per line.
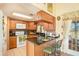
<point x="12" y="42"/>
<point x="50" y="27"/>
<point x="45" y="16"/>
<point x="45" y="26"/>
<point x="31" y="26"/>
<point x="12" y="24"/>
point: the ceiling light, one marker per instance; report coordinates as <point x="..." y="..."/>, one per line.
<point x="22" y="15"/>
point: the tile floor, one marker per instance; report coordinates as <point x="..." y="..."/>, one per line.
<point x="20" y="52"/>
<point x="16" y="52"/>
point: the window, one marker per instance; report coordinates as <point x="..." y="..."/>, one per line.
<point x="74" y="36"/>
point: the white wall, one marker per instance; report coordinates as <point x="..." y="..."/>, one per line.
<point x="61" y="8"/>
<point x="40" y="6"/>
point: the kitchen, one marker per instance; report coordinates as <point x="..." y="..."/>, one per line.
<point x="35" y="34"/>
<point x="26" y="35"/>
<point x="39" y="29"/>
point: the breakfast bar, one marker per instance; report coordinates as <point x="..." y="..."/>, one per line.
<point x="35" y="48"/>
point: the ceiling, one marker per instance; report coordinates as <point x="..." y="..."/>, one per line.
<point x="24" y="8"/>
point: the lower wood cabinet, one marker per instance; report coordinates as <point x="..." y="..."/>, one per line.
<point x="12" y="42"/>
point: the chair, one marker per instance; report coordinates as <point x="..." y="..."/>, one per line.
<point x="48" y="50"/>
<point x="58" y="47"/>
<point x="53" y="49"/>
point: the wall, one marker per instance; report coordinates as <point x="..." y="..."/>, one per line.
<point x="5" y="42"/>
<point x="61" y="8"/>
<point x="40" y="6"/>
<point x="1" y="32"/>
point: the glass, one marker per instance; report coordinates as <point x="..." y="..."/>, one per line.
<point x="74" y="36"/>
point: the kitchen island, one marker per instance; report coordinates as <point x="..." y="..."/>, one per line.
<point x="35" y="48"/>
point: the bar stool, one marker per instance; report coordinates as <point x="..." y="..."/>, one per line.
<point x="53" y="49"/>
<point x="58" y="47"/>
<point x="48" y="51"/>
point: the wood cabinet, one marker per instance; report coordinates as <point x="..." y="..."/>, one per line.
<point x="34" y="49"/>
<point x="45" y="25"/>
<point x="12" y="30"/>
<point x="13" y="22"/>
<point x="45" y="16"/>
<point x="31" y="25"/>
<point x="51" y="27"/>
<point x="30" y="48"/>
<point x="48" y="21"/>
<point x="12" y="42"/>
<point x="48" y="26"/>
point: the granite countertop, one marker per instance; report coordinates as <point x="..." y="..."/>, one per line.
<point x="38" y="42"/>
<point x="34" y="40"/>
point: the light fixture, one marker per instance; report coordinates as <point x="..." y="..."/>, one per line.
<point x="22" y="15"/>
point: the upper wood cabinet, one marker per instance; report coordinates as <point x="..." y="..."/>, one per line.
<point x="51" y="27"/>
<point x="45" y="25"/>
<point x="31" y="25"/>
<point x="47" y="20"/>
<point x="48" y="26"/>
<point x="45" y="16"/>
<point x="13" y="22"/>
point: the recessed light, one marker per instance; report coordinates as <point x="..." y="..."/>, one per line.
<point x="22" y="15"/>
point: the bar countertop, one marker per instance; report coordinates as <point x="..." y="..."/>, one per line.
<point x="34" y="40"/>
